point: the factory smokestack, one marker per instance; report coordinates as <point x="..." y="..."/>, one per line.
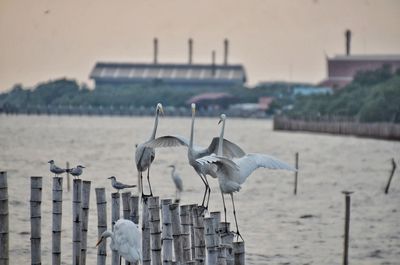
<point x="226" y="47"/>
<point x="348" y="41"/>
<point x="155" y="41"/>
<point x="190" y="43"/>
<point x="213" y="63"/>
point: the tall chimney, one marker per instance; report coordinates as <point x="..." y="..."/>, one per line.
<point x="155" y="50"/>
<point x="213" y="63"/>
<point x="190" y="42"/>
<point x="348" y="41"/>
<point x="226" y="47"/>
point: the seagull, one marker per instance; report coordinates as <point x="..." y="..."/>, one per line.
<point x="119" y="185"/>
<point x="145" y="155"/>
<point x="55" y="169"/>
<point x="178" y="183"/>
<point x="231" y="178"/>
<point x="76" y="171"/>
<point x="126" y="240"/>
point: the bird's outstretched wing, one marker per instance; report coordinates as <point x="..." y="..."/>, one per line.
<point x="167" y="141"/>
<point x="222" y="166"/>
<point x="229" y="149"/>
<point x="251" y="162"/>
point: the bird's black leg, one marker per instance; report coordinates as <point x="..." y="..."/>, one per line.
<point x="234" y="214"/>
<point x="209" y="192"/>
<point x="148" y="181"/>
<point x="205" y="192"/>
<point x="141" y="184"/>
<point x="223" y="201"/>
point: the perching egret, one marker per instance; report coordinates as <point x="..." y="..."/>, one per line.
<point x="230" y="150"/>
<point x="230" y="178"/>
<point x="55" y="169"/>
<point x="145" y="155"/>
<point x="119" y="185"/>
<point x="178" y="183"/>
<point x="76" y="171"/>
<point x="126" y="240"/>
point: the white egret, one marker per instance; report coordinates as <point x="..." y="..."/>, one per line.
<point x="55" y="169"/>
<point x="178" y="183"/>
<point x="76" y="171"/>
<point x="230" y="150"/>
<point x="126" y="240"/>
<point x="119" y="185"/>
<point x="145" y="155"/>
<point x="230" y="178"/>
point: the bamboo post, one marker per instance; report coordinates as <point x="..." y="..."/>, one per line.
<point x="126" y="210"/>
<point x="227" y="239"/>
<point x="216" y="220"/>
<point x="85" y="218"/>
<point x="176" y="232"/>
<point x="166" y="235"/>
<point x="199" y="241"/>
<point x="346" y="227"/>
<point x="146" y="255"/>
<point x="36" y="218"/>
<point x="134" y="209"/>
<point x="76" y="220"/>
<point x="185" y="222"/>
<point x="101" y="224"/>
<point x="155" y="231"/>
<point x="57" y="220"/>
<point x="239" y="253"/>
<point x="221" y="260"/>
<point x="211" y="240"/>
<point x="391" y="176"/>
<point x="68" y="179"/>
<point x="4" y="221"/>
<point x="296" y="173"/>
<point x="192" y="230"/>
<point x="115" y="210"/>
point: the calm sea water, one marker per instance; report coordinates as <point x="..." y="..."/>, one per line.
<point x="269" y="215"/>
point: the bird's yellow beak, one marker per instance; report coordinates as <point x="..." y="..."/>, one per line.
<point x="98" y="242"/>
<point x="162" y="111"/>
<point x="193" y="108"/>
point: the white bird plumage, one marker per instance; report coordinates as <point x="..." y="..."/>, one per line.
<point x="177" y="181"/>
<point x="55" y="169"/>
<point x="126" y="240"/>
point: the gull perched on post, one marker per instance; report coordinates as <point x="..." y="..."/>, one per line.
<point x="178" y="183"/>
<point x="126" y="240"/>
<point x="55" y="169"/>
<point x="230" y="150"/>
<point x="119" y="185"/>
<point x="76" y="171"/>
<point x="231" y="178"/>
<point x="145" y="155"/>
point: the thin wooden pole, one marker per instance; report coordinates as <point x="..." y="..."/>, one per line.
<point x="57" y="220"/>
<point x="296" y="173"/>
<point x="199" y="240"/>
<point x="211" y="240"/>
<point x="346" y="228"/>
<point x="68" y="178"/>
<point x="36" y="220"/>
<point x="185" y="223"/>
<point x="115" y="213"/>
<point x="77" y="221"/>
<point x="155" y="230"/>
<point x="394" y="166"/>
<point x="146" y="255"/>
<point x="176" y="232"/>
<point x="85" y="218"/>
<point x="4" y="221"/>
<point x="239" y="252"/>
<point x="166" y="235"/>
<point x="101" y="224"/>
<point x="126" y="210"/>
<point x="134" y="209"/>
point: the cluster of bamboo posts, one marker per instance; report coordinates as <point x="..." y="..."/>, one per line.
<point x="381" y="130"/>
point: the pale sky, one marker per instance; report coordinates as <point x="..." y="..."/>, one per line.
<point x="274" y="39"/>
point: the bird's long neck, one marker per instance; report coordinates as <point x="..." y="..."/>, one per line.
<point x="221" y="139"/>
<point x="192" y="131"/>
<point x="107" y="234"/>
<point x="153" y="134"/>
<point x="173" y="171"/>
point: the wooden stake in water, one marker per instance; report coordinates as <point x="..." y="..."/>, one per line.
<point x="394" y="166"/>
<point x="296" y="173"/>
<point x="76" y="221"/>
<point x="166" y="235"/>
<point x="57" y="220"/>
<point x="227" y="240"/>
<point x="126" y="210"/>
<point x="210" y="240"/>
<point x="115" y="213"/>
<point x="199" y="241"/>
<point x="134" y="209"/>
<point x="176" y="232"/>
<point x="155" y="230"/>
<point x="192" y="230"/>
<point x="346" y="227"/>
<point x="68" y="179"/>
<point x="36" y="219"/>
<point x="4" y="228"/>
<point x="146" y="255"/>
<point x="239" y="253"/>
<point x="185" y="223"/>
<point x="101" y="224"/>
<point x="85" y="218"/>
